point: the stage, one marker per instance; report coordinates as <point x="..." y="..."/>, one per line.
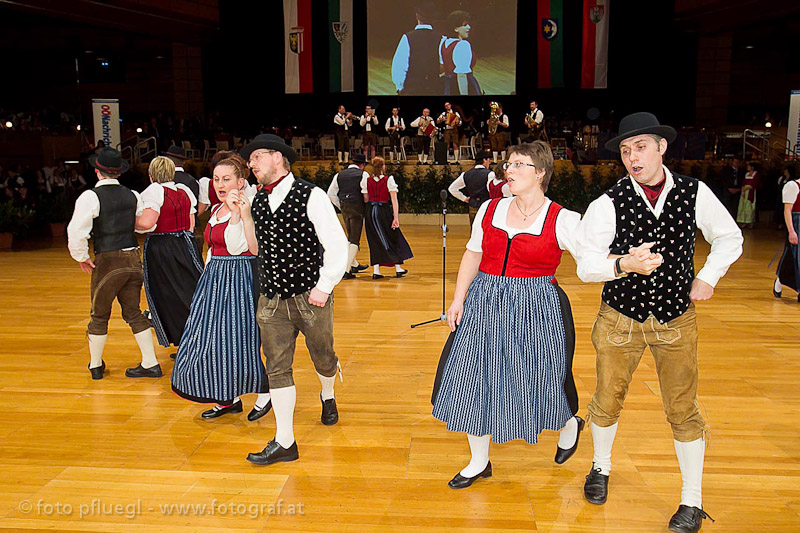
<point x="122" y="453"/>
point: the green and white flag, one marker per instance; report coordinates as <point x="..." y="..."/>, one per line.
<point x="340" y="32"/>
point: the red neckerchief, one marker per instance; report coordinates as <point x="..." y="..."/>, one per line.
<point x="269" y="188"/>
<point x="652" y="192"/>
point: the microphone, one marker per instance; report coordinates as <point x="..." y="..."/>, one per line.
<point x="443" y="195"/>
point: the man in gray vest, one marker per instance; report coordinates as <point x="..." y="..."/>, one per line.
<point x="345" y="193"/>
<point x="472" y="186"/>
<point x="639" y="238"/>
<point x="108" y="214"/>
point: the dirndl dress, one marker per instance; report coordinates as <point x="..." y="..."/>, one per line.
<point x="219" y="357"/>
<point x="387" y="246"/>
<point x="172" y="264"/>
<point x="507" y="369"/>
<point x="789" y="265"/>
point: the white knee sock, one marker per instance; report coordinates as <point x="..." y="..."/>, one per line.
<point x="494" y="157"/>
<point x="339" y="154"/>
<point x="352" y="250"/>
<point x="283" y="401"/>
<point x="690" y="458"/>
<point x="399" y="268"/>
<point x="603" y="440"/>
<point x="145" y="341"/>
<point x="479" y="446"/>
<point x="262" y="400"/>
<point x="96" y="345"/>
<point x="503" y="155"/>
<point x="568" y="434"/>
<point x="327" y="385"/>
<point x="376" y="269"/>
<point x="778" y="286"/>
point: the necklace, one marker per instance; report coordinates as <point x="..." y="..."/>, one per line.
<point x="525" y="215"/>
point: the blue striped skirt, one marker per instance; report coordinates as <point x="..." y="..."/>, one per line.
<point x="789" y="265"/>
<point x="219" y="354"/>
<point x="505" y="373"/>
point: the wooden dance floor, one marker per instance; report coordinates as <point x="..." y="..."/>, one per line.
<point x="120" y="454"/>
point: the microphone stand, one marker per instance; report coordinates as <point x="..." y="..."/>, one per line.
<point x="445" y="229"/>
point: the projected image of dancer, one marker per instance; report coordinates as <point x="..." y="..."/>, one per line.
<point x="415" y="65"/>
<point x="457" y="57"/>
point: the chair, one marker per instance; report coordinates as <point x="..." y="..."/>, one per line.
<point x="191" y="153"/>
<point x="469" y="149"/>
<point x="327" y="144"/>
<point x="297" y="144"/>
<point x="223" y="146"/>
<point x="208" y="151"/>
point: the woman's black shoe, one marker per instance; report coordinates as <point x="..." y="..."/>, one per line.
<point x="688" y="519"/>
<point x="595" y="490"/>
<point x="216" y="411"/>
<point x="359" y="268"/>
<point x="348" y="275"/>
<point x="141" y="372"/>
<point x="377" y="276"/>
<point x="98" y="371"/>
<point x="563" y="455"/>
<point x="400" y="274"/>
<point x="461" y="482"/>
<point x="257" y="413"/>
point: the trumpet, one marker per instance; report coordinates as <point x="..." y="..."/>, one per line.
<point x="494" y="118"/>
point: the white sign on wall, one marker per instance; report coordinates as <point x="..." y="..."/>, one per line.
<point x="793" y="132"/>
<point x="106" y="121"/>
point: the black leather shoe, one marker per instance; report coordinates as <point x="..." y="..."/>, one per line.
<point x="359" y="268"/>
<point x="461" y="482"/>
<point x="330" y="414"/>
<point x="377" y="276"/>
<point x="257" y="413"/>
<point x="776" y="294"/>
<point x="595" y="490"/>
<point x="216" y="411"/>
<point x="688" y="519"/>
<point x="561" y="454"/>
<point x="348" y="275"/>
<point x="98" y="371"/>
<point x="140" y="372"/>
<point x="400" y="274"/>
<point x="274" y="453"/>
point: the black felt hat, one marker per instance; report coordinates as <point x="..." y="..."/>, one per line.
<point x="175" y="151"/>
<point x="268" y="141"/>
<point x="359" y="159"/>
<point x="109" y="161"/>
<point x="640" y="124"/>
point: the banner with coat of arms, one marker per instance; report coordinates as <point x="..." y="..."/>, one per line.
<point x="550" y="43"/>
<point x="297" y="54"/>
<point x="594" y="59"/>
<point x="340" y="44"/>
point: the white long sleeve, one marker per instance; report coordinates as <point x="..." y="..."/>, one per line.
<point x="333" y="191"/>
<point x="331" y="236"/>
<point x="456" y="186"/>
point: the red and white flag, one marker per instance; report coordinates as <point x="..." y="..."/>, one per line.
<point x="594" y="64"/>
<point x="297" y="29"/>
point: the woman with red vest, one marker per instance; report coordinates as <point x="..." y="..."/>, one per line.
<point x="387" y="245"/>
<point x="789" y="265"/>
<point x="172" y="264"/>
<point x="219" y="357"/>
<point x="506" y="372"/>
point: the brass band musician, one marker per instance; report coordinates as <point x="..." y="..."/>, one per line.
<point x="534" y="121"/>
<point x="451" y="120"/>
<point x="498" y="128"/>
<point x="426" y="133"/>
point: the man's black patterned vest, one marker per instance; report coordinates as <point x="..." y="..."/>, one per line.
<point x="422" y="77"/>
<point x="113" y="229"/>
<point x="665" y="293"/>
<point x="289" y="251"/>
<point x="350" y="185"/>
<point x="475" y="180"/>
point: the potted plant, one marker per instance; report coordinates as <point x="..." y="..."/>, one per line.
<point x="55" y="210"/>
<point x="6" y="225"/>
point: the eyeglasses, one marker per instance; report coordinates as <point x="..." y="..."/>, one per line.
<point x="256" y="156"/>
<point x="516" y="165"/>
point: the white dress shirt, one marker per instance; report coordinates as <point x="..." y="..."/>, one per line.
<point x="401" y="58"/>
<point x="327" y="227"/>
<point x="87" y="208"/>
<point x="390" y="122"/>
<point x="443" y="118"/>
<point x="342" y="120"/>
<point x="567" y="225"/>
<point x="367" y="122"/>
<point x="333" y="189"/>
<point x="458" y="184"/>
<point x="599" y="226"/>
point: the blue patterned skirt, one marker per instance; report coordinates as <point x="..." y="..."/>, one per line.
<point x="219" y="357"/>
<point x="508" y="372"/>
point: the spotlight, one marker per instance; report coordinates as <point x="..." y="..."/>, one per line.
<point x="138" y="130"/>
<point x="768" y="124"/>
<point x="78" y="127"/>
<point x="9" y="125"/>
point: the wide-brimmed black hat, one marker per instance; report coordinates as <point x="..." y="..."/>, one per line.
<point x="359" y="159"/>
<point x="640" y="124"/>
<point x="483" y="154"/>
<point x="109" y="161"/>
<point x="268" y="141"/>
<point x="175" y="151"/>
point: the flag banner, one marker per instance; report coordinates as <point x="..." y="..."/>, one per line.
<point x="297" y="30"/>
<point x="106" y="121"/>
<point x="793" y="132"/>
<point x="340" y="44"/>
<point x="594" y="63"/>
<point x="550" y="19"/>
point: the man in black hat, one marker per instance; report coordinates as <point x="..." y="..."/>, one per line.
<point x="345" y="193"/>
<point x="302" y="255"/>
<point x="107" y="213"/>
<point x="472" y="186"/>
<point x="639" y="238"/>
<point x="415" y="65"/>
